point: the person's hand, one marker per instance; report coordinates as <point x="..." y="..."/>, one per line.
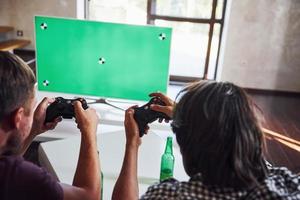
<point x="87" y="120"/>
<point x="132" y="129"/>
<point x="167" y="109"/>
<point x="38" y="125"/>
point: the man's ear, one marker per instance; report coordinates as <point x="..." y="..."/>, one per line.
<point x="13" y="120"/>
<point x="17" y="117"/>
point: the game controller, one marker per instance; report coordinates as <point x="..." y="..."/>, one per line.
<point x="144" y="115"/>
<point x="63" y="108"/>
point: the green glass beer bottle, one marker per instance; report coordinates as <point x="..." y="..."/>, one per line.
<point x="167" y="161"/>
<point x="101" y="174"/>
<point x="101" y="185"/>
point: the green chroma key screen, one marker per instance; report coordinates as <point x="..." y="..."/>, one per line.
<point x="101" y="59"/>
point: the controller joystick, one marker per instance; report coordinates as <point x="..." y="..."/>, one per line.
<point x="63" y="108"/>
<point x="144" y="115"/>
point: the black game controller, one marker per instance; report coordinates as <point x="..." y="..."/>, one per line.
<point x="63" y="107"/>
<point x="144" y="115"/>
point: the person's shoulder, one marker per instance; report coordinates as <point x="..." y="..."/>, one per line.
<point x="284" y="176"/>
<point x="12" y="165"/>
<point x="170" y="184"/>
<point x="7" y="166"/>
<point x="281" y="174"/>
<point x="24" y="170"/>
<point x="163" y="190"/>
<point x="25" y="178"/>
<point x="280" y="183"/>
<point x="10" y="160"/>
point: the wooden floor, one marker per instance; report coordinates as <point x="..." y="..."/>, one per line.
<point x="281" y="114"/>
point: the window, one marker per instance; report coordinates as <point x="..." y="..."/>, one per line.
<point x="197" y="29"/>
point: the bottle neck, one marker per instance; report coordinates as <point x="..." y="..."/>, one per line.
<point x="169" y="146"/>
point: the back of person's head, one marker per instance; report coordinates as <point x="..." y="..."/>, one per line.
<point x="16" y="84"/>
<point x="219" y="135"/>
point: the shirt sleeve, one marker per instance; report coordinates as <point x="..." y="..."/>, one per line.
<point x="35" y="183"/>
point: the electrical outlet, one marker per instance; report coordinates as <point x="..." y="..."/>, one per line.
<point x="19" y="33"/>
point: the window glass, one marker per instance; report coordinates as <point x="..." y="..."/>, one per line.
<point x="188" y="48"/>
<point x="119" y="11"/>
<point x="219" y="9"/>
<point x="184" y="8"/>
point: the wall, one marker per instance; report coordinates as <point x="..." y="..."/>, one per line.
<point x="5" y="19"/>
<point x="262" y="47"/>
<point x="20" y="13"/>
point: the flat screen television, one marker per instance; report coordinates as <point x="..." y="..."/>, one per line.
<point x="101" y="59"/>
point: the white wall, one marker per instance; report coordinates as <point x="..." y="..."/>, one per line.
<point x="20" y="13"/>
<point x="262" y="47"/>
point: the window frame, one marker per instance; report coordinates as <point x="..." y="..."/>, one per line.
<point x="152" y="16"/>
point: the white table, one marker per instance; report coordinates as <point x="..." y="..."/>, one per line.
<point x="60" y="158"/>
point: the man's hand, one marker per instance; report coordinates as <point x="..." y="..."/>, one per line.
<point x="87" y="120"/>
<point x="167" y="109"/>
<point x="131" y="129"/>
<point x="38" y="124"/>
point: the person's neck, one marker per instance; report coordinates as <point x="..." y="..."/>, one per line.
<point x="3" y="140"/>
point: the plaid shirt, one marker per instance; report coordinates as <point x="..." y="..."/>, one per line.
<point x="280" y="184"/>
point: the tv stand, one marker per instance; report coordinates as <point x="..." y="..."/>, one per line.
<point x="103" y="101"/>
